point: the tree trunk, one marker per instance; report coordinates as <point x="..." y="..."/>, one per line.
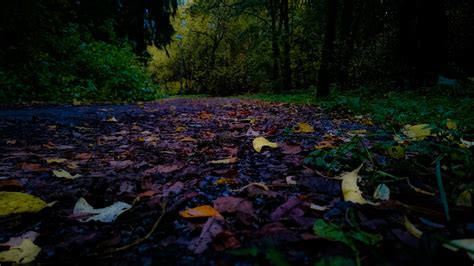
<point x="328" y="47"/>
<point x="275" y="48"/>
<point x="347" y="37"/>
<point x="286" y="46"/>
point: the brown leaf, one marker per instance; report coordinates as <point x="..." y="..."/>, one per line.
<point x="163" y="169"/>
<point x="211" y="229"/>
<point x="285" y="208"/>
<point x="225" y="240"/>
<point x="6" y="185"/>
<point x="290" y="148"/>
<point x="121" y="164"/>
<point x="33" y="167"/>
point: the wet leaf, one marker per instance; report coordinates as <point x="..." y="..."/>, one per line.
<point x="25" y="253"/>
<point x="226" y="181"/>
<point x="201" y="211"/>
<point x="16" y="241"/>
<point x="303" y="128"/>
<point x="17" y="202"/>
<point x="382" y="192"/>
<point x="261" y="142"/>
<point x="290" y="181"/>
<point x="65" y="174"/>
<point x="412" y="228"/>
<point x="105" y="215"/>
<point x="350" y="189"/>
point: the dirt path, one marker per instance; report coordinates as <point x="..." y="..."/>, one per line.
<point x="171" y="152"/>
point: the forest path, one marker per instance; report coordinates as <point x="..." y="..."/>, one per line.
<point x="187" y="153"/>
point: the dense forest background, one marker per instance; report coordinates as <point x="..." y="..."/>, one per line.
<point x="62" y="50"/>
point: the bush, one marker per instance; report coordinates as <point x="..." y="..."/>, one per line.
<point x="77" y="67"/>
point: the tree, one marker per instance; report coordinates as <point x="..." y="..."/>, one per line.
<point x="327" y="51"/>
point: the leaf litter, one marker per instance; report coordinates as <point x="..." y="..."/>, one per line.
<point x="194" y="181"/>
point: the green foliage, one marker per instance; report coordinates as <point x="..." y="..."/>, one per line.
<point x="77" y="68"/>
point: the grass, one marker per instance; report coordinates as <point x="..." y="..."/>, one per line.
<point x="432" y="106"/>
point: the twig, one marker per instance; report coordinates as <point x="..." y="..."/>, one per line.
<point x="261" y="185"/>
<point x="140" y="240"/>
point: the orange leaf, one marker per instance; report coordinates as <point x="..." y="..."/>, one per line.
<point x="201" y="211"/>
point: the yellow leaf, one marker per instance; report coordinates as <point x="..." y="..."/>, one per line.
<point x="303" y="128"/>
<point x="225" y="181"/>
<point x="450" y="124"/>
<point x="76" y="102"/>
<point x="261" y="142"/>
<point x="412" y="229"/>
<point x="55" y="160"/>
<point x="17" y="202"/>
<point x="464" y="199"/>
<point x="112" y="119"/>
<point x="466" y="244"/>
<point x="225" y="161"/>
<point x="25" y="253"/>
<point x="350" y="190"/>
<point x="201" y="211"/>
<point x="396" y="152"/>
<point x="180" y="129"/>
<point x="417" y="132"/>
<point x="65" y="174"/>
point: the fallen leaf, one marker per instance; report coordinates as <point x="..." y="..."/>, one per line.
<point x="303" y="128"/>
<point x="396" y="151"/>
<point x="188" y="139"/>
<point x="412" y="228"/>
<point x="318" y="207"/>
<point x="285" y="208"/>
<point x="11" y="141"/>
<point x="112" y="119"/>
<point x="211" y="229"/>
<point x="466" y="143"/>
<point x="350" y="190"/>
<point x="450" y="124"/>
<point x="417" y="132"/>
<point x="105" y="215"/>
<point x="251" y="133"/>
<point x="55" y="160"/>
<point x="290" y="148"/>
<point x="121" y="164"/>
<point x="83" y="156"/>
<point x="224" y="161"/>
<point x="180" y="129"/>
<point x="10" y="184"/>
<point x="225" y="240"/>
<point x="234" y="204"/>
<point x="16" y="241"/>
<point x="290" y="181"/>
<point x="382" y="192"/>
<point x="226" y="181"/>
<point x="17" y="202"/>
<point x="464" y="199"/>
<point x="65" y="174"/>
<point x="466" y="244"/>
<point x="201" y="211"/>
<point x="261" y="142"/>
<point x="33" y="167"/>
<point x="25" y="253"/>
